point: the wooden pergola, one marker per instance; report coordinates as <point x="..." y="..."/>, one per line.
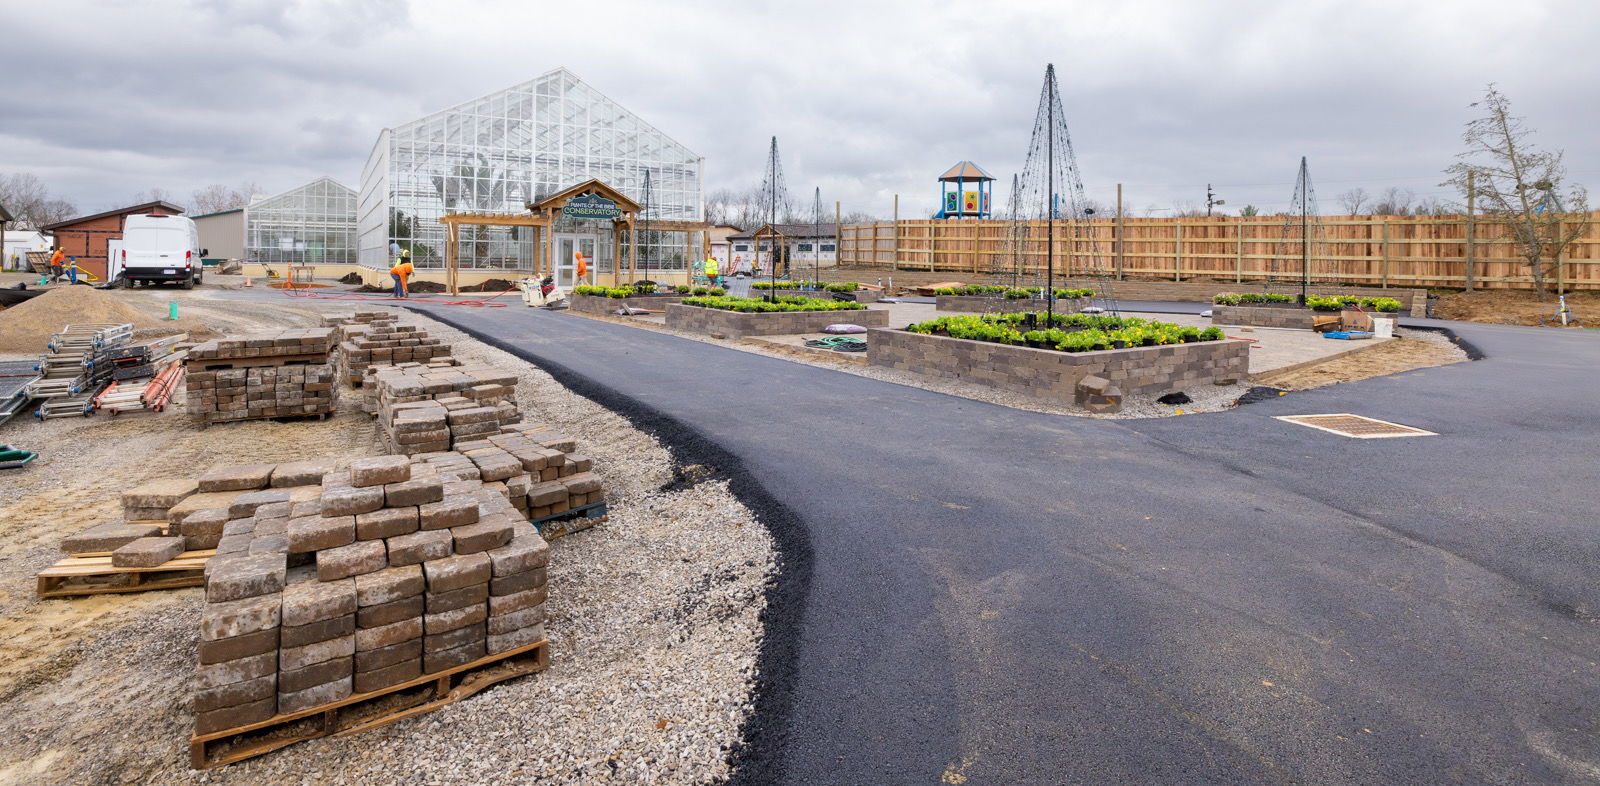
<point x="778" y="238"/>
<point x="542" y="216"/>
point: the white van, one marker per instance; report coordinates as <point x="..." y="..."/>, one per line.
<point x="157" y="248"/>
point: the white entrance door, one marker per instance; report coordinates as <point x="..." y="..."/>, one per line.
<point x="568" y="247"/>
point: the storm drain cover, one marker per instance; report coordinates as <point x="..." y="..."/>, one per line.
<point x="1356" y="426"/>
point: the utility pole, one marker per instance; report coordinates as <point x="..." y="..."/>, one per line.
<point x="1211" y="199"/>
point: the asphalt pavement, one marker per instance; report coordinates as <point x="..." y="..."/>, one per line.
<point x="980" y="593"/>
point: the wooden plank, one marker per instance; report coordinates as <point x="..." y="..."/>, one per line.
<point x="346" y="716"/>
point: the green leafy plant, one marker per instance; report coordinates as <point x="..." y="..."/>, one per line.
<point x="945" y="291"/>
<point x="586" y="289"/>
<point x="843" y="286"/>
<point x="682" y="289"/>
<point x="760" y="306"/>
<point x="1319" y="303"/>
<point x="716" y="292"/>
<point x="619" y="292"/>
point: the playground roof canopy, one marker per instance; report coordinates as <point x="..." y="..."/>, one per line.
<point x="965" y="170"/>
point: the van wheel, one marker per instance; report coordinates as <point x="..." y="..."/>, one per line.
<point x="188" y="283"/>
<point x="127" y="283"/>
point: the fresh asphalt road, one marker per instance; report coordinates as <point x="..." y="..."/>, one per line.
<point x="1013" y="597"/>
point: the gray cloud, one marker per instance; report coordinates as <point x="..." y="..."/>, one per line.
<point x="868" y="100"/>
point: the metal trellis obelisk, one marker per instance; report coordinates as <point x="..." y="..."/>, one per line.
<point x="774" y="202"/>
<point x="1303" y="231"/>
<point x="1052" y="186"/>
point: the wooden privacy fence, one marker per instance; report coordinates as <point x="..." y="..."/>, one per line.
<point x="1400" y="251"/>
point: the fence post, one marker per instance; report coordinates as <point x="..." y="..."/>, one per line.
<point x="1472" y="196"/>
<point x="1121" y="237"/>
<point x="1385" y="253"/>
<point x="1561" y="263"/>
<point x="838" y="236"/>
<point x="1238" y="265"/>
<point x="1177" y="249"/>
<point x="896" y="251"/>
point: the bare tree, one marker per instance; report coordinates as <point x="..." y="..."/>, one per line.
<point x="1520" y="186"/>
<point x="153" y="195"/>
<point x="1394" y="201"/>
<point x="1353" y="201"/>
<point x="28" y="199"/>
<point x="217" y="197"/>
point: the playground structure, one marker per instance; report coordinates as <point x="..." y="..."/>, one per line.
<point x="962" y="203"/>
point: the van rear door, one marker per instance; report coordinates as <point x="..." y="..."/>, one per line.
<point x="156" y="244"/>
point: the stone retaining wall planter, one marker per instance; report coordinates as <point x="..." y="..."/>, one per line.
<point x="981" y="304"/>
<point x="737" y="324"/>
<point x="860" y="295"/>
<point x="1297" y="317"/>
<point x="1414" y="302"/>
<point x="1052" y="374"/>
<point x="597" y="304"/>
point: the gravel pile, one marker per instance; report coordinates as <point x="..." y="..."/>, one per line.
<point x="654" y="625"/>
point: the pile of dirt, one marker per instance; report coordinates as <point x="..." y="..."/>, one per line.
<point x="1515" y="306"/>
<point x="28" y="326"/>
<point x="351" y="278"/>
<point x="491" y="285"/>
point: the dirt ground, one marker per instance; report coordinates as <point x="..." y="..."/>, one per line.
<point x="95" y="689"/>
<point x="1515" y="307"/>
<point x="1392" y="357"/>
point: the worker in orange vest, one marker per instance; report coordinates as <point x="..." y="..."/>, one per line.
<point x="57" y="261"/>
<point x="583" y="265"/>
<point x="400" y="272"/>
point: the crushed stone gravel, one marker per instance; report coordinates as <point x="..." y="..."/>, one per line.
<point x="654" y="624"/>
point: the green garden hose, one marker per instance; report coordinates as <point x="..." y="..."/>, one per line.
<point x="839" y="344"/>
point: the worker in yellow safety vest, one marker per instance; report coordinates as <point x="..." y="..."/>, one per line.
<point x="713" y="272"/>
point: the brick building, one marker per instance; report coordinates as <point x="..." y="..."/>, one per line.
<point x="85" y="237"/>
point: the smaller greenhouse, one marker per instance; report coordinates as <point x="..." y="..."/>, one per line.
<point x="314" y="224"/>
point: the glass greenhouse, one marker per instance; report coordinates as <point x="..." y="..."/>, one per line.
<point x="498" y="153"/>
<point x="314" y="224"/>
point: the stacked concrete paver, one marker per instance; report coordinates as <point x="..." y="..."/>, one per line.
<point x="373" y="339"/>
<point x="429" y="408"/>
<point x="280" y="373"/>
<point x="393" y="572"/>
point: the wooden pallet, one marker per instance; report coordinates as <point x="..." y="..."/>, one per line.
<point x="93" y="574"/>
<point x="297" y="416"/>
<point x="367" y="710"/>
<point x="225" y="364"/>
<point x="570" y="521"/>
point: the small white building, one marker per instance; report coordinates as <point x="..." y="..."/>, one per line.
<point x="18" y="243"/>
<point x="804" y="246"/>
<point x="720" y="247"/>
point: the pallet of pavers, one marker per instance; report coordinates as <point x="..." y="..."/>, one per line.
<point x="384" y="344"/>
<point x="538" y="469"/>
<point x="170" y="529"/>
<point x="283" y="373"/>
<point x="396" y="592"/>
<point x="424" y="408"/>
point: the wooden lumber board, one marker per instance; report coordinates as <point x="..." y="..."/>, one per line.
<point x="78" y="574"/>
<point x="99" y="563"/>
<point x="360" y="712"/>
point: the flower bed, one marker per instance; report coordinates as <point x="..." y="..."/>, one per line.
<point x="982" y="299"/>
<point x="1050" y="374"/>
<point x="1265" y="309"/>
<point x="847" y="290"/>
<point x="736" y="317"/>
<point x="1065" y="332"/>
<point x="992" y="351"/>
<point x="600" y="304"/>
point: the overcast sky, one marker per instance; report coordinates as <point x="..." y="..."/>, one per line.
<point x="867" y="99"/>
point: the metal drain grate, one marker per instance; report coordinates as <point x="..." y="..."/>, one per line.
<point x="1356" y="426"/>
